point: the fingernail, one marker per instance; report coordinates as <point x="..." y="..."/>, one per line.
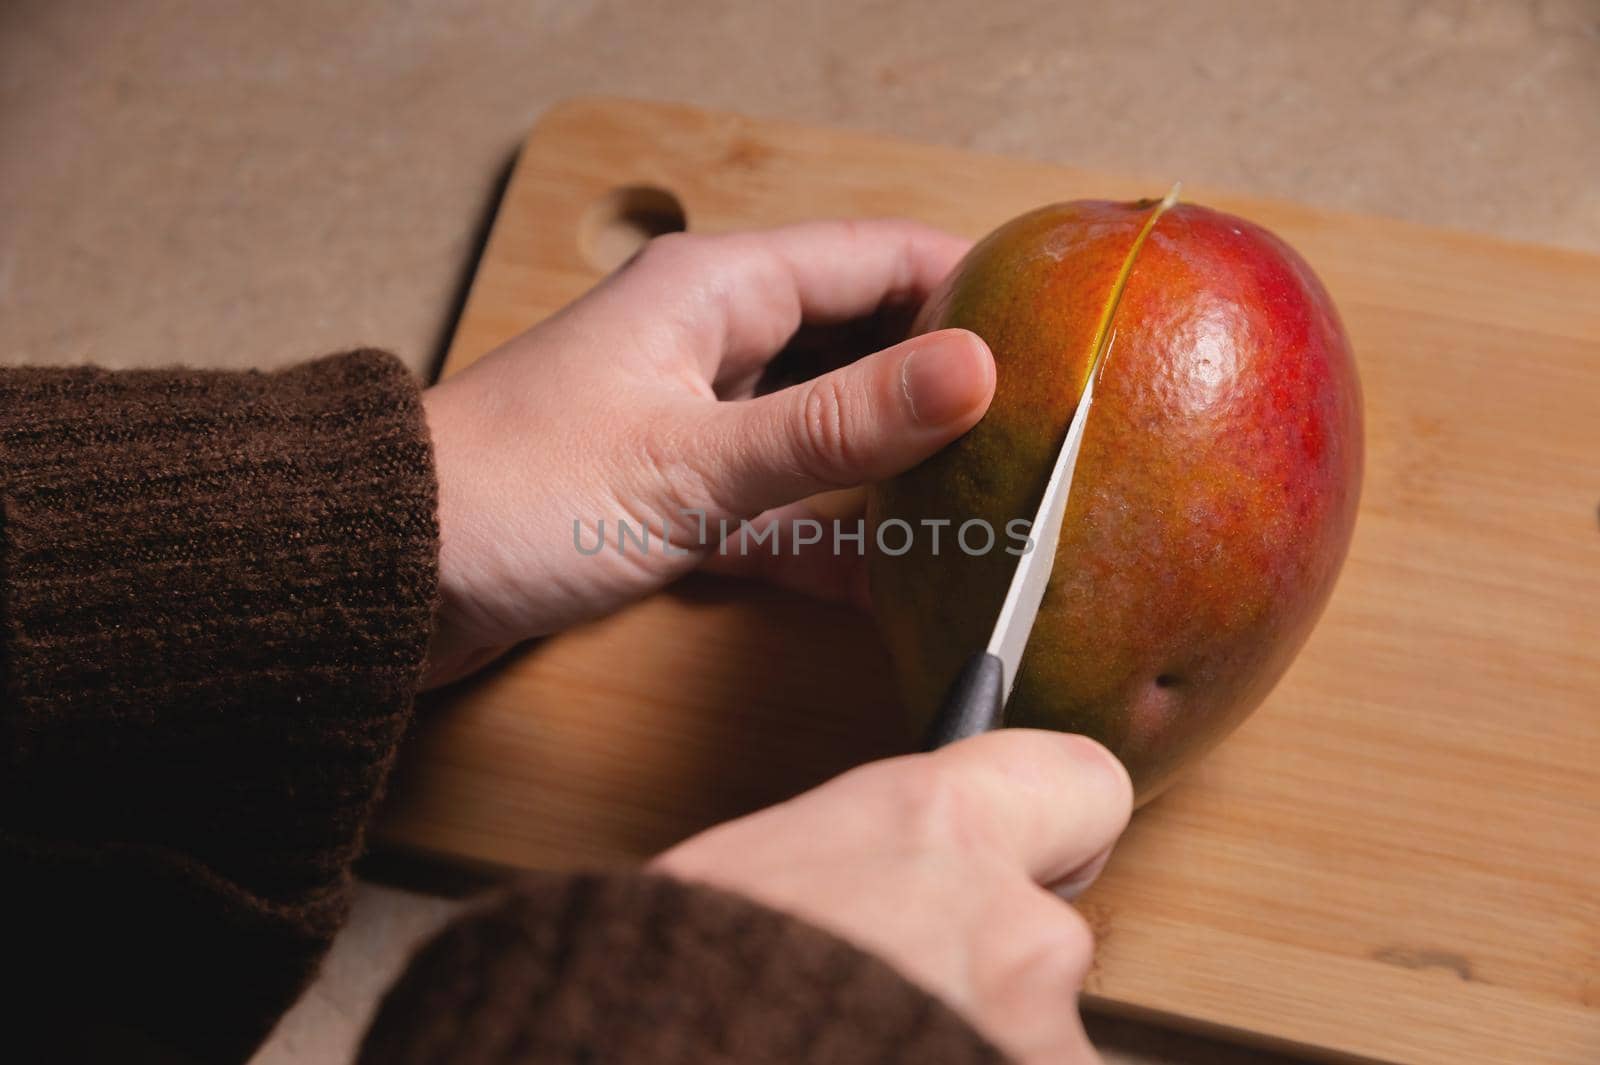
<point x="945" y="377"/>
<point x="1080" y="881"/>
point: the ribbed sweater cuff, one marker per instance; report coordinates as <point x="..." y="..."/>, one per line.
<point x="217" y="596"/>
<point x="634" y="969"/>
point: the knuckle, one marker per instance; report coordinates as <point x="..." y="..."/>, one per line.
<point x="1058" y="953"/>
<point x="933" y="805"/>
<point x="671" y="252"/>
<point x="855" y="230"/>
<point x="823" y="432"/>
<point x="1075" y="936"/>
<point x="678" y="477"/>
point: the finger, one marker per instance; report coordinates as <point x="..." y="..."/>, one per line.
<point x="1036" y="954"/>
<point x="1052" y="802"/>
<point x="741" y="296"/>
<point x="1083" y="878"/>
<point x="816" y="546"/>
<point x="860" y="423"/>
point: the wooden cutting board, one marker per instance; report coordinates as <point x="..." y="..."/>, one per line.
<point x="1397" y="858"/>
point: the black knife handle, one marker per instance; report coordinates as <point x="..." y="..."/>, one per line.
<point x="972" y="704"/>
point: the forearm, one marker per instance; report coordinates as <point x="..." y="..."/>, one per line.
<point x="633" y="968"/>
<point x="216" y="597"/>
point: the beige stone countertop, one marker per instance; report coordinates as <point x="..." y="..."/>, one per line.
<point x="246" y="184"/>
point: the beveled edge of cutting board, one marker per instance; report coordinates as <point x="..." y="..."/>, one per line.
<point x="585" y="109"/>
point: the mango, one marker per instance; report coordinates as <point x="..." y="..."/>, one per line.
<point x="1214" y="498"/>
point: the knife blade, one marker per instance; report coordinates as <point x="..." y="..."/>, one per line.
<point x="975" y="701"/>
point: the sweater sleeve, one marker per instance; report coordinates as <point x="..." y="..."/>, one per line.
<point x="215" y="597"/>
<point x="633" y="969"/>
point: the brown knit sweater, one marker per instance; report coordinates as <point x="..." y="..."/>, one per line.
<point x="215" y="597"/>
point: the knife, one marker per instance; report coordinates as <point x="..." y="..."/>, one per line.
<point x="975" y="701"/>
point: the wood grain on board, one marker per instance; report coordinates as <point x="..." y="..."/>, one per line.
<point x="1396" y="859"/>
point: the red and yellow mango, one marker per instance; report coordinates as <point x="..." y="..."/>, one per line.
<point x="1214" y="497"/>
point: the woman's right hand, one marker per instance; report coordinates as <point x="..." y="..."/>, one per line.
<point x="953" y="866"/>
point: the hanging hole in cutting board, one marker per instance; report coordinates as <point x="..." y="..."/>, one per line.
<point x="624" y="220"/>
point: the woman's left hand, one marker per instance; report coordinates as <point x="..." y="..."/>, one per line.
<point x="636" y="404"/>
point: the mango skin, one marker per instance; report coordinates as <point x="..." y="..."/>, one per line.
<point x="1214" y="498"/>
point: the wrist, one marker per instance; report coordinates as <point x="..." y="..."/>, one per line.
<point x="452" y="650"/>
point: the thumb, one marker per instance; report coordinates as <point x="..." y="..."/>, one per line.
<point x="863" y="422"/>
